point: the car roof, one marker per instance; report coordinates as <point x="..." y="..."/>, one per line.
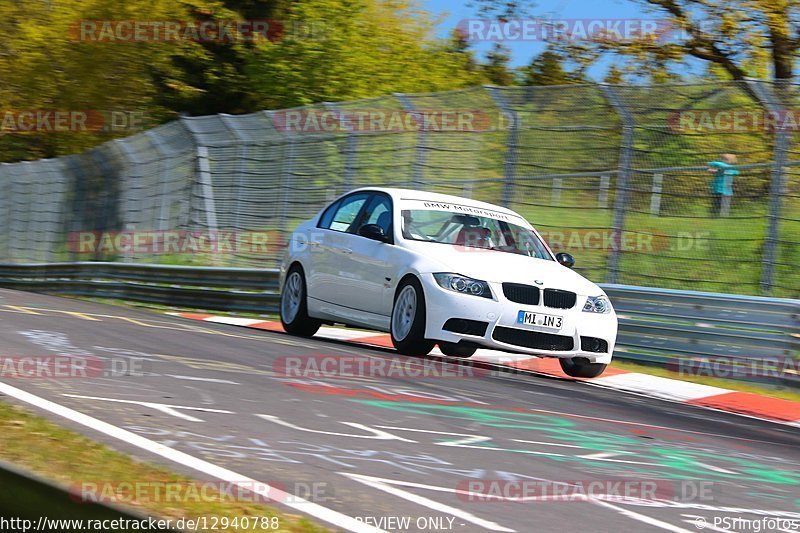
<point x="413" y="194"/>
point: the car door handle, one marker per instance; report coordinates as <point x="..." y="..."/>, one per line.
<point x="347" y="251"/>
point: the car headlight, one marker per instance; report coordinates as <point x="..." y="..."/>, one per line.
<point x="597" y="304"/>
<point x="463" y="284"/>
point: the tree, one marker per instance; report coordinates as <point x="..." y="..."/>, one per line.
<point x="357" y="49"/>
<point x="546" y="69"/>
<point x="46" y="65"/>
<point x="211" y="77"/>
<point x="731" y="34"/>
<point x="614" y="76"/>
<point x="496" y="67"/>
<point x="324" y="50"/>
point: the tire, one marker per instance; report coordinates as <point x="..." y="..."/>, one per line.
<point x="294" y="306"/>
<point x="454" y="349"/>
<point x="407" y="325"/>
<point x="578" y="367"/>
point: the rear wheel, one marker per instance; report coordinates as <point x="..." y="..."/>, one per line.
<point x="294" y="308"/>
<point x="454" y="349"/>
<point x="580" y="367"/>
<point x="408" y="319"/>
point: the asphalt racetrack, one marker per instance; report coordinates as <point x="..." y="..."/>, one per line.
<point x="415" y="445"/>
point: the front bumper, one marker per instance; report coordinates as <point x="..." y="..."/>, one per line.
<point x="504" y="333"/>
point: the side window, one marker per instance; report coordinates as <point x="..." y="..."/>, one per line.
<point x="341" y="215"/>
<point x="380" y="212"/>
<point x="327" y="217"/>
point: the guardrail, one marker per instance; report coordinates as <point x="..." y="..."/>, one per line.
<point x="225" y="289"/>
<point x="28" y="497"/>
<point x="691" y="331"/>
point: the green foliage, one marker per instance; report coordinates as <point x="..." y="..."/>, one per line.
<point x="496" y="67"/>
<point x="546" y="69"/>
<point x="357" y="49"/>
<point x="328" y="50"/>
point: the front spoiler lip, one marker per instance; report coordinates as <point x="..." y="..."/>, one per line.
<point x="513" y="348"/>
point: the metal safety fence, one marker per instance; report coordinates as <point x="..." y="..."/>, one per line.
<point x="616" y="175"/>
<point x="749" y="338"/>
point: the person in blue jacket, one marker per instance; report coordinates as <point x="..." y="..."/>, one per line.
<point x="722" y="185"/>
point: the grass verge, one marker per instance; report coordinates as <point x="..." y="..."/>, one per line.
<point x="68" y="458"/>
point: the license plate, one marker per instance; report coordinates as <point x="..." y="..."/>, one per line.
<point x="538" y="319"/>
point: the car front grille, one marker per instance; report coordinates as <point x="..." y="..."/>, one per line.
<point x="521" y="294"/>
<point x="559" y="299"/>
<point x="533" y="339"/>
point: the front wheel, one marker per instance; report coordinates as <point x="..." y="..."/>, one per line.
<point x="579" y="367"/>
<point x="294" y="306"/>
<point x="454" y="349"/>
<point x="408" y="320"/>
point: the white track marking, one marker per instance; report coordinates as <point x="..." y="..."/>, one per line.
<point x="263" y="489"/>
<point x="210" y="380"/>
<point x="607" y="457"/>
<point x="672" y="389"/>
<point x="376" y="433"/>
<point x="387" y="485"/>
<point x="548" y="443"/>
<point x="641" y="518"/>
<point x="164" y="408"/>
<point x="468" y="438"/>
<point x="717" y="469"/>
<point x="234" y="321"/>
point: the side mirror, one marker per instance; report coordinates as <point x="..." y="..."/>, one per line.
<point x="374" y="232"/>
<point x="565" y="259"/>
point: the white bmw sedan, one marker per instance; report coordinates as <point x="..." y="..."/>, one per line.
<point x="437" y="269"/>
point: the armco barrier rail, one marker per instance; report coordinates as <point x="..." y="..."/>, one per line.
<point x="32" y="498"/>
<point x="692" y="331"/>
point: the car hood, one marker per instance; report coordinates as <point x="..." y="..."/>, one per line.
<point x="498" y="267"/>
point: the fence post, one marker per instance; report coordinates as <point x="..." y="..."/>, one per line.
<point x="289" y="141"/>
<point x="725" y="206"/>
<point x="623" y="175"/>
<point x="555" y="195"/>
<point x="776" y="106"/>
<point x="655" y="198"/>
<point x="163" y="210"/>
<point x="204" y="169"/>
<point x="422" y="137"/>
<point x="350" y="151"/>
<point x="131" y="162"/>
<point x="512" y="145"/>
<point x="203" y="178"/>
<point x="602" y="195"/>
<point x="240" y="164"/>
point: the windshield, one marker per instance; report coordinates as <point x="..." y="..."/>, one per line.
<point x="472" y="231"/>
